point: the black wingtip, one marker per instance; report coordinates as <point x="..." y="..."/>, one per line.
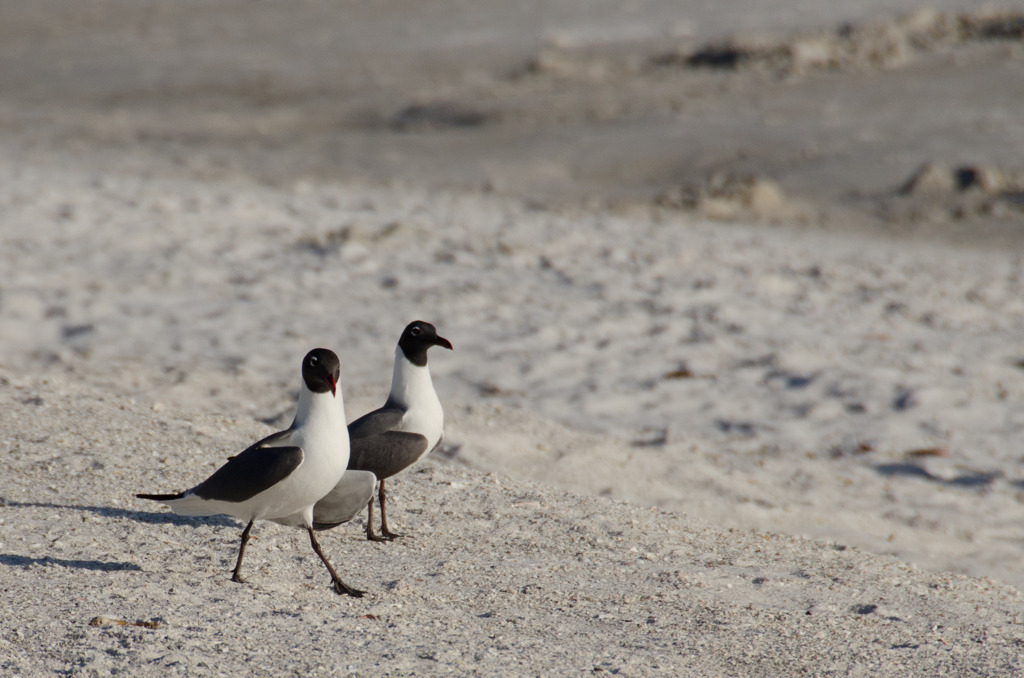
<point x="161" y="497"/>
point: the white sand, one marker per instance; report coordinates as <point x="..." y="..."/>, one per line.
<point x="501" y="577"/>
<point x="137" y="309"/>
<point x="818" y="362"/>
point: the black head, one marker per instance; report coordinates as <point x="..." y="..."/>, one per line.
<point x="320" y="370"/>
<point x="417" y="338"/>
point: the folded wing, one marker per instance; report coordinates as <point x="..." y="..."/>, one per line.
<point x="256" y="469"/>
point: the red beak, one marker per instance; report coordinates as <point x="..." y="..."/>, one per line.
<point x="334" y="385"/>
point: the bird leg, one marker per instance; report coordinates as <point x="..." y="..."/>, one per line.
<point x="339" y="586"/>
<point x="237" y="574"/>
<point x="370" y="534"/>
<point x="384" y="531"/>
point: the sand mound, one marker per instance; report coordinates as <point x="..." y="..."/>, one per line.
<point x="941" y="192"/>
<point x="877" y="44"/>
<point x="729" y="197"/>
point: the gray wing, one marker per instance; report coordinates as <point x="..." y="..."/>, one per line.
<point x="345" y="501"/>
<point x="376" y="422"/>
<point x="387" y="453"/>
<point x="252" y="471"/>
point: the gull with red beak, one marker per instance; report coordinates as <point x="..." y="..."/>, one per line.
<point x="281" y="477"/>
<point x="408" y="427"/>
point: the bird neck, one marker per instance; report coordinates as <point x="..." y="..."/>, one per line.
<point x="409" y="383"/>
<point x="318" y="407"/>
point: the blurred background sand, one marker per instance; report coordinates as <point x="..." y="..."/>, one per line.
<point x="800" y="112"/>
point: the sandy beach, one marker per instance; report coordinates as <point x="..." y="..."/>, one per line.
<point x="737" y="373"/>
<point x="500" y="575"/>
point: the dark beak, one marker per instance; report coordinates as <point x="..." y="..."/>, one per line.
<point x="441" y="341"/>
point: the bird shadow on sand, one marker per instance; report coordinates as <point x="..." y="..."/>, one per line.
<point x="149" y="517"/>
<point x="13" y="560"/>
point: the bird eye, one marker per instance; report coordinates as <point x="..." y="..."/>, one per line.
<point x="313" y="360"/>
<point x="415" y="331"/>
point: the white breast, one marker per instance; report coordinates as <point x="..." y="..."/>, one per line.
<point x="321" y="432"/>
<point x="412" y="388"/>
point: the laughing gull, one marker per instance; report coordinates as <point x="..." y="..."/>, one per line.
<point x="408" y="427"/>
<point x="282" y="476"/>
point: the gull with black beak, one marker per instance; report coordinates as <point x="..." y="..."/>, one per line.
<point x="408" y="427"/>
<point x="281" y="477"/>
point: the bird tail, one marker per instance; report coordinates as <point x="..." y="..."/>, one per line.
<point x="161" y="497"/>
<point x="188" y="504"/>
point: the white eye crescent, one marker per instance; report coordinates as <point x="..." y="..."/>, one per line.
<point x="313" y="360"/>
<point x="415" y="331"/>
